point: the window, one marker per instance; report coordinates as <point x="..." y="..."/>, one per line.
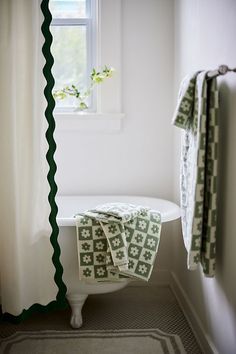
<point x="73" y="47"/>
<point x="87" y="34"/>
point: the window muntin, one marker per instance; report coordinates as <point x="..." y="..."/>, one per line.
<point x="73" y="46"/>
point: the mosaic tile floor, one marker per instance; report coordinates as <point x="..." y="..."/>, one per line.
<point x="134" y="307"/>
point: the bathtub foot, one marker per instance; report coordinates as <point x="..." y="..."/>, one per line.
<point x="76" y="302"/>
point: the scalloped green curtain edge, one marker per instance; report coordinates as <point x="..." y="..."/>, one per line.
<point x="60" y="302"/>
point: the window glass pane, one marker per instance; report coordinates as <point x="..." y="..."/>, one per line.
<point x="70" y="59"/>
<point x="68" y="8"/>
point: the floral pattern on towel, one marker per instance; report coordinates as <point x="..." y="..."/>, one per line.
<point x="196" y="113"/>
<point x="117" y="241"/>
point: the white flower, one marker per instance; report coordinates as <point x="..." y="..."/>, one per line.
<point x="100" y="272"/>
<point x="134" y="251"/>
<point x="151" y="242"/>
<point x="100" y="245"/>
<point x="142" y="269"/>
<point x="142" y="224"/>
<point x="85" y="233"/>
<point x="86" y="259"/>
<point x="116" y="242"/>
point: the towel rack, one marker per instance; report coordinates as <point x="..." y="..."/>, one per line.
<point x="222" y="70"/>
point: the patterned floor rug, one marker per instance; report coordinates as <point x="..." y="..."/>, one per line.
<point x="148" y="341"/>
<point x="137" y="307"/>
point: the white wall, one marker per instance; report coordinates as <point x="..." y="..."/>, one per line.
<point x="142" y="158"/>
<point x="138" y="159"/>
<point x="205" y="38"/>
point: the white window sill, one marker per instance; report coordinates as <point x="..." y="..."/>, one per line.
<point x="90" y="122"/>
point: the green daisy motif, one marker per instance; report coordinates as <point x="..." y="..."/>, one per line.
<point x="144" y="213"/>
<point x="87" y="272"/>
<point x="85" y="246"/>
<point x="131" y="264"/>
<point x="120" y="254"/>
<point x="147" y="255"/>
<point x="99" y="232"/>
<point x="155" y="229"/>
<point x="112" y="229"/>
<point x="100" y="258"/>
<point x="84" y="220"/>
<point x="139" y="238"/>
<point x="180" y="120"/>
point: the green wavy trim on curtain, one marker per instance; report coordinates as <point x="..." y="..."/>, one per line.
<point x="52" y="148"/>
<point x="60" y="301"/>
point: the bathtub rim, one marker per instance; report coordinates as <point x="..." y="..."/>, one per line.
<point x="171" y="210"/>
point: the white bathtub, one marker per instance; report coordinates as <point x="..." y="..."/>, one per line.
<point x="68" y="206"/>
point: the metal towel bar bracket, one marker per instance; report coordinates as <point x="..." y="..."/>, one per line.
<point x="222" y="70"/>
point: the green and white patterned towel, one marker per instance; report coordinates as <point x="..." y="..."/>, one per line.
<point x="117" y="240"/>
<point x="196" y="113"/>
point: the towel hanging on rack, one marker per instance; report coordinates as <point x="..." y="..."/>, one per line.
<point x="196" y="113"/>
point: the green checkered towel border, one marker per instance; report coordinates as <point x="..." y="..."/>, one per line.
<point x="117" y="240"/>
<point x="196" y="113"/>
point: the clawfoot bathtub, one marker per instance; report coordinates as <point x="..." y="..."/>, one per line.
<point x="68" y="206"/>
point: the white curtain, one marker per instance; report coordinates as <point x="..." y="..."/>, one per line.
<point x="26" y="267"/>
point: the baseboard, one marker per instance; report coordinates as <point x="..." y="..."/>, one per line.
<point x="164" y="277"/>
<point x="203" y="339"/>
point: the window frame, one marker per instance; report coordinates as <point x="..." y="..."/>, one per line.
<point x="90" y="22"/>
<point x="108" y="115"/>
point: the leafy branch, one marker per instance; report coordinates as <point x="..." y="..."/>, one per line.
<point x="96" y="77"/>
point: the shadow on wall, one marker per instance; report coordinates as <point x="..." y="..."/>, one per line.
<point x="226" y="168"/>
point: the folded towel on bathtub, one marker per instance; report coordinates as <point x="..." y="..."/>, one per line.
<point x="117" y="240"/>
